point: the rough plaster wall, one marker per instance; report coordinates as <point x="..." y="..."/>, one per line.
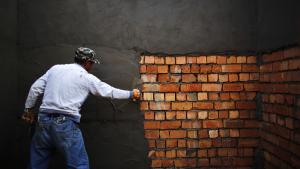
<point x="278" y="24"/>
<point x="9" y="75"/>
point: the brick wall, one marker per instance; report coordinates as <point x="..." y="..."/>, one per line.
<point x="200" y="111"/>
<point x="280" y="88"/>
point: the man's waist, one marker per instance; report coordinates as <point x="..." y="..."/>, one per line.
<point x="55" y="114"/>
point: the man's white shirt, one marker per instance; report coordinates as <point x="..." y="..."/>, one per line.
<point x="65" y="88"/>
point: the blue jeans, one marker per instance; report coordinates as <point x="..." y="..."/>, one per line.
<point x="60" y="133"/>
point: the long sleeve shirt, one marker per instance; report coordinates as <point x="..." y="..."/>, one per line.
<point x="66" y="87"/>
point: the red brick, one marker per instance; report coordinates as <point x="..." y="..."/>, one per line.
<point x="191" y="115"/>
<point x="191" y="87"/>
<point x="181" y="143"/>
<point x="148" y="77"/>
<point x="175" y="69"/>
<point x="201" y="59"/>
<point x="273" y="56"/>
<point x="163" y="77"/>
<point x="149" y="59"/>
<point x="213" y="115"/>
<point x="231" y="68"/>
<point x="181" y="96"/>
<point x="223" y="78"/>
<point x="211" y="59"/>
<point x="224" y="105"/>
<point x="233" y="77"/>
<point x="225" y="96"/>
<point x="202" y="77"/>
<point x="233" y="123"/>
<point x="211" y="87"/>
<point x="185" y="163"/>
<point x="185" y="69"/>
<point x="202" y="105"/>
<point x="149" y="115"/>
<point x="142" y="60"/>
<point x="151" y="69"/>
<point x="149" y="134"/>
<point x="180" y="60"/>
<point x="216" y="69"/>
<point x="233" y="114"/>
<point x="159" y="96"/>
<point x="159" y="60"/>
<point x="192" y="143"/>
<point x="292" y="52"/>
<point x="170" y="96"/>
<point x="170" y="60"/>
<point x="177" y="133"/>
<point x="202" y="115"/>
<point x="205" y="143"/>
<point x="249" y="133"/>
<point x="171" y="153"/>
<point x="181" y="105"/>
<point x="180" y="115"/>
<point x="191" y="59"/>
<point x="202" y="154"/>
<point x="160" y="105"/>
<point x="195" y="69"/>
<point x="171" y="144"/>
<point x="294" y="64"/>
<point x="156" y="163"/>
<point x="189" y="78"/>
<point x="167" y="163"/>
<point x="144" y="106"/>
<point x="250" y="68"/>
<point x="266" y="67"/>
<point x="231" y="59"/>
<point x="212" y="124"/>
<point x="245" y="105"/>
<point x="241" y="59"/>
<point x="251" y="87"/>
<point x="202" y="96"/>
<point x="203" y="133"/>
<point x="213" y="133"/>
<point x="223" y="114"/>
<point x="232" y="87"/>
<point x="169" y="87"/>
<point x="162" y="69"/>
<point x="251" y="59"/>
<point x="192" y="134"/>
<point x="221" y="59"/>
<point x="159" y="154"/>
<point x="213" y="96"/>
<point x="160" y="116"/>
<point x="164" y="134"/>
<point x="170" y="124"/>
<point x="191" y="97"/>
<point x="147" y="96"/>
<point x="213" y="77"/>
<point x="175" y="78"/>
<point x="143" y="69"/>
<point x="151" y="125"/>
<point x="244" y="76"/>
<point x="205" y="68"/>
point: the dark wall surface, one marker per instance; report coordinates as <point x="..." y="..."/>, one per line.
<point x="278" y="24"/>
<point x="49" y="31"/>
<point x="9" y="78"/>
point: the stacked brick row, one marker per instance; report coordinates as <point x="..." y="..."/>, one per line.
<point x="200" y="111"/>
<point x="280" y="87"/>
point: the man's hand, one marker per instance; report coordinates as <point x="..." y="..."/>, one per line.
<point x="136" y="94"/>
<point x="28" y="116"/>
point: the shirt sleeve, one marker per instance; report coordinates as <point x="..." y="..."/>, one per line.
<point x="36" y="89"/>
<point x="99" y="88"/>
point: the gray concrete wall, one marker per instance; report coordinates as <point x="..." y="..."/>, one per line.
<point x="9" y="78"/>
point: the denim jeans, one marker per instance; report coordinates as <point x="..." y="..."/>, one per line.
<point x="57" y="132"/>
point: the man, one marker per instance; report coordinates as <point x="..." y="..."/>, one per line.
<point x="65" y="88"/>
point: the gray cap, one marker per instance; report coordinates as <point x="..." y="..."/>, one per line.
<point x="86" y="54"/>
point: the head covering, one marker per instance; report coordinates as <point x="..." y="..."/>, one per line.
<point x="84" y="53"/>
